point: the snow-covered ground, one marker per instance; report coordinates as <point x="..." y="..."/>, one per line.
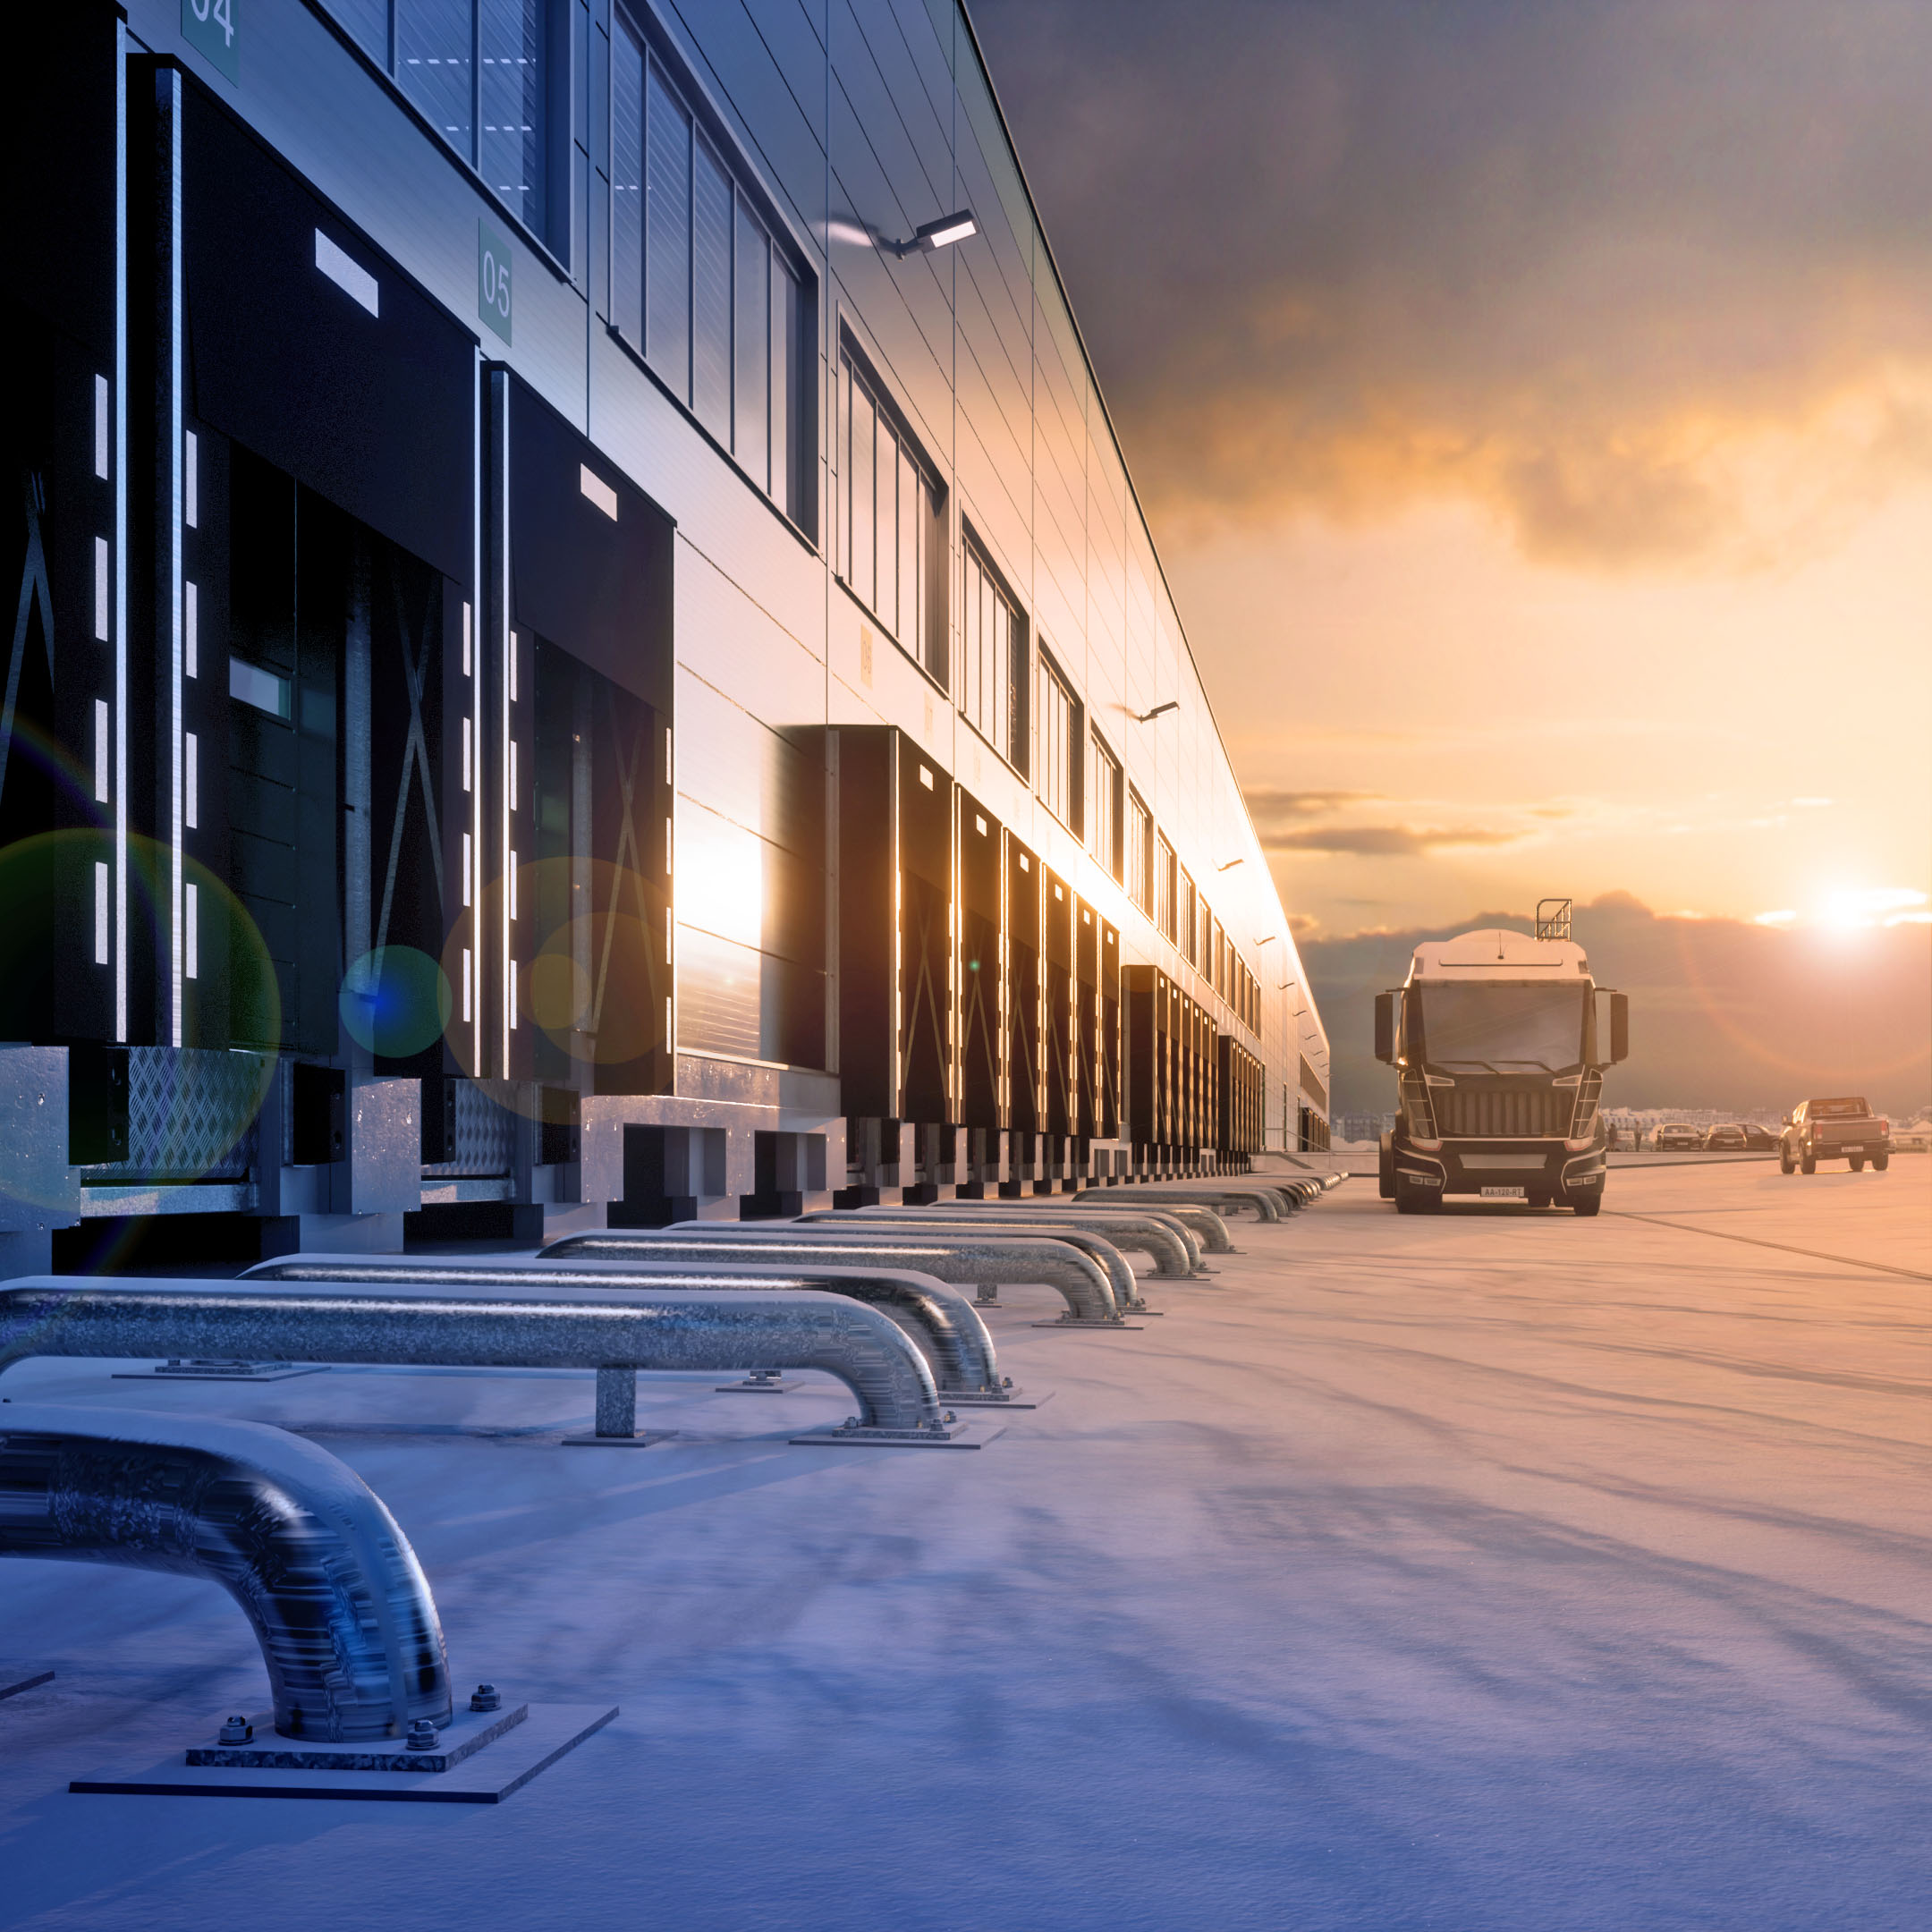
<point x="1486" y="1571"/>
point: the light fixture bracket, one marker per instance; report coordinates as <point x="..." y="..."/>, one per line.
<point x="932" y="235"/>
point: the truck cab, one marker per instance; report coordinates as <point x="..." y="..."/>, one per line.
<point x="1499" y="1051"/>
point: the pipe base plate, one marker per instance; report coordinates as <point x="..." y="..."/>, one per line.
<point x="1103" y="1328"/>
<point x="641" y="1439"/>
<point x="509" y="1762"/>
<point x="949" y="1436"/>
<point x="221" y="1371"/>
<point x="983" y="1399"/>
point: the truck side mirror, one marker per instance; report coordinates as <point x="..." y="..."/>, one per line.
<point x="1385" y="1027"/>
<point x="1619" y="1027"/>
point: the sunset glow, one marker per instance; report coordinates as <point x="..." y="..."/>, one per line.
<point x="1547" y="496"/>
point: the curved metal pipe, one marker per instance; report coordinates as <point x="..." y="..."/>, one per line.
<point x="342" y="1610"/>
<point x="1200" y="1217"/>
<point x="722" y="1329"/>
<point x="1220" y="1202"/>
<point x="1174" y="1251"/>
<point x="1080" y="1281"/>
<point x="955" y="1339"/>
<point x="1054" y="1240"/>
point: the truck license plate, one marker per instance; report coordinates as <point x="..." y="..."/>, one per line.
<point x="1850" y="1150"/>
<point x="1505" y="1193"/>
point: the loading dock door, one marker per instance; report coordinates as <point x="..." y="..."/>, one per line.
<point x="895" y="899"/>
<point x="925" y="938"/>
<point x="323" y="509"/>
<point x="981" y="975"/>
<point x="318" y="353"/>
<point x="1059" y="1032"/>
<point x="1107" y="1123"/>
<point x="581" y="676"/>
<point x="58" y="533"/>
<point x="1025" y="1063"/>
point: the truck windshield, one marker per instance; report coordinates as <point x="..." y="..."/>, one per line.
<point x="1846" y="1109"/>
<point x="1503" y="1027"/>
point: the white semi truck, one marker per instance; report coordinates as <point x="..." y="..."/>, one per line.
<point x="1499" y="1050"/>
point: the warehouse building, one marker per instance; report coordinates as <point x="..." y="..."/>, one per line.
<point x="585" y="648"/>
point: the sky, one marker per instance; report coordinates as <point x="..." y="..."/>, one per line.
<point x="1532" y="405"/>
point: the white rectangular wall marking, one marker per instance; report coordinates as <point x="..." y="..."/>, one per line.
<point x="100" y="589"/>
<point x="100" y="750"/>
<point x="191" y="931"/>
<point x="190" y="780"/>
<point x="349" y="275"/>
<point x="191" y="481"/>
<point x="598" y="490"/>
<point x="101" y="427"/>
<point x="100" y="912"/>
<point x="190" y="631"/>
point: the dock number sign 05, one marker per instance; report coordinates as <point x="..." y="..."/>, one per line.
<point x="213" y="29"/>
<point x="492" y="279"/>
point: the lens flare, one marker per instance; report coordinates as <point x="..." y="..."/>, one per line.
<point x="395" y="1001"/>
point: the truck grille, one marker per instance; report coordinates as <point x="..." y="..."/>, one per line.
<point x="1473" y="1113"/>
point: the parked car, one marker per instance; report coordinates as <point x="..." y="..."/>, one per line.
<point x="1759" y="1139"/>
<point x="1841" y="1129"/>
<point x="1678" y="1136"/>
<point x="1729" y="1139"/>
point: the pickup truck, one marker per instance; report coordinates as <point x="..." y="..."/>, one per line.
<point x="1843" y="1129"/>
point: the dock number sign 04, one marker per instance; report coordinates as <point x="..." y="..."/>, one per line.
<point x="213" y="29"/>
<point x="492" y="279"/>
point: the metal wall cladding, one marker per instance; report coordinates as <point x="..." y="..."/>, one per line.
<point x="1486" y="1112"/>
<point x="751" y="896"/>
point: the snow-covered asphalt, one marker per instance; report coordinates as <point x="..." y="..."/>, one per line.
<point x="1487" y="1569"/>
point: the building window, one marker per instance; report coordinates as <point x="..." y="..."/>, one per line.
<point x="1104" y="810"/>
<point x="993" y="670"/>
<point x="1187" y="920"/>
<point x="700" y="286"/>
<point x="892" y="537"/>
<point x="1059" y="733"/>
<point x="1139" y="842"/>
<point x="1165" y="881"/>
<point x="1218" y="941"/>
<point x="491" y="77"/>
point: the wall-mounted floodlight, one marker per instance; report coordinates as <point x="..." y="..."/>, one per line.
<point x="1147" y="717"/>
<point x="1230" y="866"/>
<point x="936" y="234"/>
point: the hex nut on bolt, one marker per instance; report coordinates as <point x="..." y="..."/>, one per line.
<point x="422" y="1735"/>
<point x="485" y="1697"/>
<point x="237" y="1731"/>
